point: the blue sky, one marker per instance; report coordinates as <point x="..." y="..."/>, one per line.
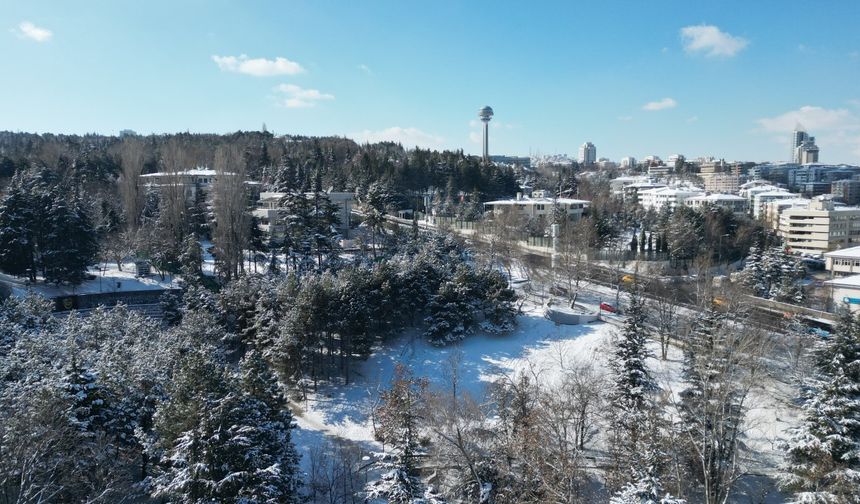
<point x="728" y="79"/>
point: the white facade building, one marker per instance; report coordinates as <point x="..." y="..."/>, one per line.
<point x="843" y="262"/>
<point x="656" y="199"/>
<point x="538" y="206"/>
<point x="271" y="213"/>
<point x="821" y="227"/>
<point x="730" y="202"/>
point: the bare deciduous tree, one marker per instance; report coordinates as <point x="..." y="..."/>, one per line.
<point x="230" y="207"/>
<point x="132" y="159"/>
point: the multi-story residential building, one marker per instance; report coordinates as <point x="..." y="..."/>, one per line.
<point x="821" y="227"/>
<point x="726" y="183"/>
<point x="656" y="199"/>
<point x="539" y="205"/>
<point x="773" y="209"/>
<point x="731" y="202"/>
<point x="843" y="262"/>
<point x="714" y="166"/>
<point x="628" y="162"/>
<point x="760" y="199"/>
<point x="632" y="191"/>
<point x="812" y="189"/>
<point x="271" y="214"/>
<point x="617" y="185"/>
<point x="660" y="170"/>
<point x="190" y="182"/>
<point x="587" y="154"/>
<point x="846" y="191"/>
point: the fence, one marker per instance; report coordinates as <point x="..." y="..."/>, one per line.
<point x="454" y="222"/>
<point x="87" y="301"/>
<point x="627" y="255"/>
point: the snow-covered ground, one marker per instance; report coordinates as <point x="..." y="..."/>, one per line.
<point x="538" y="346"/>
<point x="108" y="279"/>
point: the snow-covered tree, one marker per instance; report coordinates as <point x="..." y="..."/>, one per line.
<point x="632" y="387"/>
<point x="397" y="420"/>
<point x="719" y="366"/>
<point x="823" y="455"/>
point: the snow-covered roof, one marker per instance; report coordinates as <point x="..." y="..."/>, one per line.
<point x="717" y="197"/>
<point x="673" y="190"/>
<point x="537" y="201"/>
<point x="851" y="282"/>
<point x="652" y="185"/>
<point x="196" y="172"/>
<point x="770" y="194"/>
<point x="755" y="183"/>
<point x="848" y="253"/>
<point x="631" y="178"/>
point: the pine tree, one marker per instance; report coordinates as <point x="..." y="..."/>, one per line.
<point x="398" y="428"/>
<point x="711" y="408"/>
<point x="236" y="443"/>
<point x="823" y="455"/>
<point x="451" y="314"/>
<point x="632" y="385"/>
<point x="70" y="245"/>
<point x="17" y="240"/>
<point x="191" y="260"/>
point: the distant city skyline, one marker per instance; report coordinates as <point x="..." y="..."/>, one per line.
<point x="637" y="79"/>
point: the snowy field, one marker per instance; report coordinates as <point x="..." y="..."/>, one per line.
<point x="537" y="346"/>
<point x="108" y="278"/>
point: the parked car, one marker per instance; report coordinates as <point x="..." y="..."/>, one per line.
<point x="608" y="307"/>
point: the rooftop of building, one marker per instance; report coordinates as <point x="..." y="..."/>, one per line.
<point x="718" y="197"/>
<point x="847" y="253"/>
<point x="852" y="281"/>
<point x="536" y="201"/>
<point x="665" y="190"/>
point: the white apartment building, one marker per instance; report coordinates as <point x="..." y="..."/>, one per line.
<point x="538" y="206"/>
<point x="762" y="198"/>
<point x="821" y="227"/>
<point x="271" y="213"/>
<point x="656" y="199"/>
<point x="632" y="191"/>
<point x="192" y="181"/>
<point x="730" y="202"/>
<point x="617" y="185"/>
<point x="628" y="162"/>
<point x="773" y="209"/>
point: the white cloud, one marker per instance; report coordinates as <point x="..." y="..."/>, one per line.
<point x="258" y="67"/>
<point x="409" y="137"/>
<point x="292" y="96"/>
<point x="711" y="41"/>
<point x="30" y="31"/>
<point x="476" y="137"/>
<point x="836" y="130"/>
<point x="692" y="119"/>
<point x="665" y="103"/>
<point x="625" y="118"/>
<point x="812" y="118"/>
<point x="366" y="69"/>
